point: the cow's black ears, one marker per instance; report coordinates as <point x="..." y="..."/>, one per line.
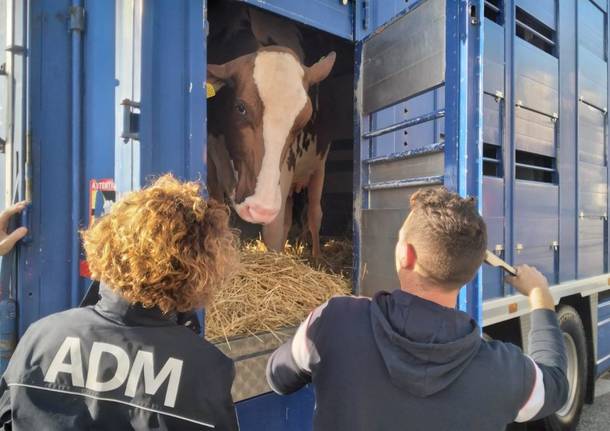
<point x="319" y="71"/>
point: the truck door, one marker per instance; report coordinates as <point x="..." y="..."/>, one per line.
<point x="128" y="61"/>
<point x="12" y="145"/>
<point x="407" y="69"/>
<point x="160" y="97"/>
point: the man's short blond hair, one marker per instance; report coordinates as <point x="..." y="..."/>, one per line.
<point x="448" y="234"/>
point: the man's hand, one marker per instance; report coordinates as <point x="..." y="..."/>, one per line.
<point x="7" y="241"/>
<point x="531" y="283"/>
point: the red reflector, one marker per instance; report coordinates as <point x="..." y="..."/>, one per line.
<point x="84" y="269"/>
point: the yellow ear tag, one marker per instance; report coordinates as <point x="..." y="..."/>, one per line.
<point x="209" y="90"/>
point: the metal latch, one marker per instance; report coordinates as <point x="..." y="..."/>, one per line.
<point x="131" y="120"/>
<point x="498" y="249"/>
<point x="77" y="18"/>
<point x="519" y="248"/>
<point x="3" y="69"/>
<point x="498" y="96"/>
<point x="555" y="245"/>
<point x="15" y="49"/>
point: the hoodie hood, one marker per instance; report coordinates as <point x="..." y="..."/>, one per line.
<point x="424" y="345"/>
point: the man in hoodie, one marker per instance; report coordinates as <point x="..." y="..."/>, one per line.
<point x="410" y="360"/>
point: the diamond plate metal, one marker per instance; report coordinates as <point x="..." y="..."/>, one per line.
<point x="250" y="354"/>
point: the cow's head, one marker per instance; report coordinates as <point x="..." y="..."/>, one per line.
<point x="269" y="105"/>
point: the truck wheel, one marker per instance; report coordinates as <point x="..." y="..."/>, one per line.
<point x="566" y="418"/>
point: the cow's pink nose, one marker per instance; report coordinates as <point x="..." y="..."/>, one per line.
<point x="259" y="214"/>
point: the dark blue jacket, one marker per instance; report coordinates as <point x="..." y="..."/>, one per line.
<point x="399" y="362"/>
<point x="115" y="366"/>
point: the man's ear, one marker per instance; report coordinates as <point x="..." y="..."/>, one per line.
<point x="410" y="257"/>
<point x="319" y="71"/>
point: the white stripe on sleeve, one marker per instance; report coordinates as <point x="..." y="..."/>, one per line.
<point x="301" y="352"/>
<point x="302" y="347"/>
<point x="536" y="400"/>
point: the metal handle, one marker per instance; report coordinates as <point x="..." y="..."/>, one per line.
<point x="131" y="120"/>
<point x="519" y="248"/>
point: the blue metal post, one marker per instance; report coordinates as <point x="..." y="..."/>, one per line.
<point x="76" y="22"/>
<point x="463" y="131"/>
<point x="508" y="129"/>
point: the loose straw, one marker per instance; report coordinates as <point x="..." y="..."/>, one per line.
<point x="277" y="290"/>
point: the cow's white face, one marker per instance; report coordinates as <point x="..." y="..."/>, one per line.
<point x="278" y="77"/>
<point x="269" y="105"/>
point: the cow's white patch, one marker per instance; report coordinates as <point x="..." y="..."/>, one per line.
<point x="279" y="79"/>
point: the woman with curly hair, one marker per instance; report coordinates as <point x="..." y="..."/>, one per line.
<point x="126" y="362"/>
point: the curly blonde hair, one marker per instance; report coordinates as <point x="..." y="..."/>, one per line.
<point x="163" y="246"/>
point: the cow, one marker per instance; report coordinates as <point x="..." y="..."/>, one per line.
<point x="264" y="133"/>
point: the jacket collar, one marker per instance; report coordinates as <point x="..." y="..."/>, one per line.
<point x="116" y="308"/>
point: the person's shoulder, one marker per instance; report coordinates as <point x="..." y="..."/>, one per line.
<point x="351" y="303"/>
<point x="501" y="355"/>
<point x="56" y="321"/>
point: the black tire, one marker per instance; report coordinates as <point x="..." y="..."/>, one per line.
<point x="566" y="419"/>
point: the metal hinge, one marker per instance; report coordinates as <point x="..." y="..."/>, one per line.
<point x="131" y="120"/>
<point x="15" y="49"/>
<point x="365" y="14"/>
<point x="77" y="18"/>
<point x="474" y="18"/>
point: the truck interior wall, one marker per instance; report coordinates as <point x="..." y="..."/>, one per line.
<point x="402" y="74"/>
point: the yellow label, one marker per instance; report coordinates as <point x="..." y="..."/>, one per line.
<point x="209" y="90"/>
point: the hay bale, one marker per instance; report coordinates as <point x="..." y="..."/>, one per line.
<point x="270" y="291"/>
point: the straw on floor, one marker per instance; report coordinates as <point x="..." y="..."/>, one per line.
<point x="271" y="291"/>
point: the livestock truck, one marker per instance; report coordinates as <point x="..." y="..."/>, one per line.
<point x="504" y="100"/>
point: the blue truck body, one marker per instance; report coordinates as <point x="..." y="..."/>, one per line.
<point x="512" y="109"/>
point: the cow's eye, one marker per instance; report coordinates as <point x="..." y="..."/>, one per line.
<point x="241" y="108"/>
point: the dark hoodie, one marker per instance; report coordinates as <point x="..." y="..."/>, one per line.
<point x="399" y="362"/>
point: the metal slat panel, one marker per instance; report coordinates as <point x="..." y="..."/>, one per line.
<point x="493" y="59"/>
<point x="536" y="215"/>
<point x="590" y="247"/>
<point x="380" y="233"/>
<point x="592" y="78"/>
<point x="427" y="165"/>
<point x="591" y="139"/>
<point x="493" y="213"/>
<point x="592" y="193"/>
<point x="544" y="10"/>
<point x="537" y="78"/>
<point x="591" y="28"/>
<point x="492" y="132"/>
<point x="405" y="58"/>
<point x="534" y="132"/>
